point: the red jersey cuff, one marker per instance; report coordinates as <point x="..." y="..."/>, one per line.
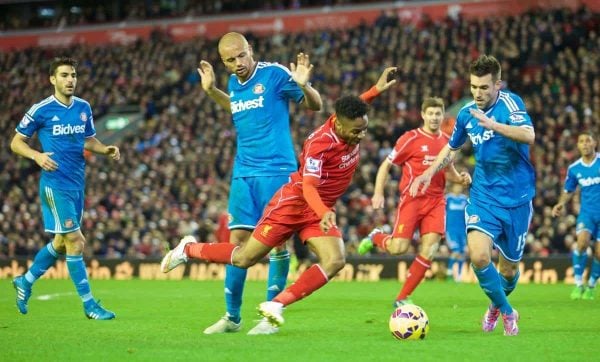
<point x="369" y="95"/>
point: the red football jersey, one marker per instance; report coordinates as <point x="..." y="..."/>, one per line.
<point x="415" y="151"/>
<point x="328" y="158"/>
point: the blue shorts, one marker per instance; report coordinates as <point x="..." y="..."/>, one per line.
<point x="508" y="227"/>
<point x="589" y="222"/>
<point x="61" y="209"/>
<point x="248" y="197"/>
<point x="457" y="241"/>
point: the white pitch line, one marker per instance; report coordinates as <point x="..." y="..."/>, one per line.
<point x="54" y="295"/>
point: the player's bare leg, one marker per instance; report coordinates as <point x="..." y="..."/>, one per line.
<point x="331" y="254"/>
<point x="419" y="266"/>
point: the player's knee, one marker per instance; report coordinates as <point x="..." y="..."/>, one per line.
<point x="244" y="262"/>
<point x="74" y="243"/>
<point x="429" y="249"/>
<point x="333" y="265"/>
<point x="508" y="270"/>
<point x="398" y="246"/>
<point x="480" y="260"/>
<point x="582" y="246"/>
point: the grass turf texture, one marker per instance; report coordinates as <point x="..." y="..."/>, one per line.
<point x="345" y="321"/>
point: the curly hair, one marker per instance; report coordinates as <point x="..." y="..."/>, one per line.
<point x="351" y="107"/>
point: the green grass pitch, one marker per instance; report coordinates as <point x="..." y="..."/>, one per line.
<point x="344" y="321"/>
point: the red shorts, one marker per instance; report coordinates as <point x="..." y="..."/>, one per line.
<point x="428" y="214"/>
<point x="285" y="215"/>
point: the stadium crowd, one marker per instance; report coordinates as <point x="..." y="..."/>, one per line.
<point x="173" y="177"/>
<point x="63" y="13"/>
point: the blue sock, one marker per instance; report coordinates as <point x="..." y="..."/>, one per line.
<point x="279" y="266"/>
<point x="78" y="274"/>
<point x="509" y="286"/>
<point x="595" y="273"/>
<point x="44" y="259"/>
<point x="234" y="288"/>
<point x="489" y="281"/>
<point x="579" y="262"/>
<point x="451" y="262"/>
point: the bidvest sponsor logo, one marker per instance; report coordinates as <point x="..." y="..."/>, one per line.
<point x="240" y="106"/>
<point x="589" y="181"/>
<point x="478" y="139"/>
<point x="67" y="129"/>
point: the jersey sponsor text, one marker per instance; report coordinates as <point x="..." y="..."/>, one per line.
<point x="240" y="106"/>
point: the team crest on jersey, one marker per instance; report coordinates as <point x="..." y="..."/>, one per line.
<point x="473" y="219"/>
<point x="68" y="223"/>
<point x="400" y="228"/>
<point x="258" y="89"/>
<point x="83" y="117"/>
<point x="312" y="165"/>
<point x="265" y="230"/>
<point x="424" y="148"/>
<point x="580" y="226"/>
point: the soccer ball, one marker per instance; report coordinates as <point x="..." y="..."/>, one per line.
<point x="409" y="322"/>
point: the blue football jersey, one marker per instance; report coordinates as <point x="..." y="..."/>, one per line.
<point x="588" y="179"/>
<point x="504" y="175"/>
<point x="260" y="111"/>
<point x="61" y="129"/>
<point x="455" y="213"/>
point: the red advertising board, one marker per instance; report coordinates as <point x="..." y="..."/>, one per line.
<point x="292" y="21"/>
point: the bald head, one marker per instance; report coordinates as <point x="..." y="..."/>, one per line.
<point x="232" y="40"/>
<point x="236" y="54"/>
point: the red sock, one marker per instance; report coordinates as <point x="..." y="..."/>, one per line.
<point x="216" y="252"/>
<point x="416" y="273"/>
<point x="312" y="279"/>
<point x="380" y="239"/>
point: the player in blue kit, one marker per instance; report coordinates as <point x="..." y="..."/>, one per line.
<point x="65" y="127"/>
<point x="258" y="96"/>
<point x="585" y="173"/>
<point x="456" y="236"/>
<point x="500" y="200"/>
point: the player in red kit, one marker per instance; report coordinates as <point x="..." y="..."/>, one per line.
<point x="414" y="151"/>
<point x="304" y="205"/>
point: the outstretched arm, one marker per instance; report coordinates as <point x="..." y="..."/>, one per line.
<point x="207" y="78"/>
<point x="520" y="134"/>
<point x="443" y="159"/>
<point x="382" y="84"/>
<point x="301" y="74"/>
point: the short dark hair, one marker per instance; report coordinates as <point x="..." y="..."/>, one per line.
<point x="587" y="133"/>
<point x="486" y="64"/>
<point x="58" y="61"/>
<point x="432" y="102"/>
<point x="350" y="107"/>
